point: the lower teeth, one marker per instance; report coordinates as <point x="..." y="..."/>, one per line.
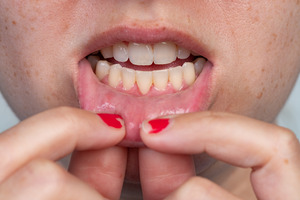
<point x="126" y="78"/>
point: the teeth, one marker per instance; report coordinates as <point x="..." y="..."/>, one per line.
<point x="145" y="54"/>
<point x="175" y="77"/>
<point x="114" y="76"/>
<point x="189" y="74"/>
<point x="160" y="79"/>
<point x="183" y="53"/>
<point x="199" y="64"/>
<point x="102" y="69"/>
<point x="144" y="81"/>
<point x="120" y="52"/>
<point x="164" y="53"/>
<point x="107" y="52"/>
<point x="140" y="54"/>
<point x="128" y="78"/>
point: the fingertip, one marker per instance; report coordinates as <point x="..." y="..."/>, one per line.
<point x="112" y="120"/>
<point x="155" y="126"/>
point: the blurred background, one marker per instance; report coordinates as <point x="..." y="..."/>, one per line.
<point x="289" y="117"/>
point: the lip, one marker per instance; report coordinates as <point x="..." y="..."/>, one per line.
<point x="100" y="98"/>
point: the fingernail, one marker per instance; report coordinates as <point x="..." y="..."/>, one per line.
<point x="156" y="125"/>
<point x="112" y="120"/>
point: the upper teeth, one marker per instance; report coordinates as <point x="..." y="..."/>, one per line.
<point x="145" y="54"/>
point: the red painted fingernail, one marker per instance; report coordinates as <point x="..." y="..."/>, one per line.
<point x="111" y="119"/>
<point x="158" y="125"/>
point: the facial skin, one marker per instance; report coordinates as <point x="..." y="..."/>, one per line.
<point x="254" y="48"/>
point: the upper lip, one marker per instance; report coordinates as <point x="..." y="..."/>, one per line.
<point x="146" y="36"/>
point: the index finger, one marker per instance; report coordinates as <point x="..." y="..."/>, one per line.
<point x="271" y="151"/>
<point x="54" y="134"/>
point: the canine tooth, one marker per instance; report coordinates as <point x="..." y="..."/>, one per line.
<point x="107" y="52"/>
<point x="102" y="69"/>
<point x="114" y="76"/>
<point x="93" y="60"/>
<point x="183" y="53"/>
<point x="164" y="53"/>
<point x="160" y="79"/>
<point x="189" y="75"/>
<point x="199" y="64"/>
<point x="120" y="52"/>
<point x="140" y="54"/>
<point x="144" y="81"/>
<point x="128" y="78"/>
<point x="175" y="77"/>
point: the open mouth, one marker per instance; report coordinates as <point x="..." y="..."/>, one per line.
<point x="142" y="75"/>
<point x="146" y="69"/>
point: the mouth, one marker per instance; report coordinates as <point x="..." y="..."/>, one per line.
<point x="144" y="74"/>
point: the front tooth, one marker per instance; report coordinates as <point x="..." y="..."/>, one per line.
<point x="140" y="54"/>
<point x="160" y="79"/>
<point x="199" y="64"/>
<point x="93" y="60"/>
<point x="164" y="53"/>
<point x="175" y="77"/>
<point x="183" y="53"/>
<point x="128" y="78"/>
<point x="189" y="75"/>
<point x="144" y="81"/>
<point x="107" y="52"/>
<point x="120" y="52"/>
<point x="102" y="69"/>
<point x="114" y="76"/>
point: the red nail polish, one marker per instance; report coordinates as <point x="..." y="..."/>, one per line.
<point x="111" y="119"/>
<point x="158" y="125"/>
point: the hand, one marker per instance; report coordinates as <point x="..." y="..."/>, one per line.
<point x="28" y="152"/>
<point x="272" y="152"/>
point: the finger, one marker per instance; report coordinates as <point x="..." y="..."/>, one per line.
<point x="198" y="188"/>
<point x="224" y="136"/>
<point x="54" y="134"/>
<point x="161" y="174"/>
<point x="43" y="179"/>
<point x="272" y="152"/>
<point x="104" y="170"/>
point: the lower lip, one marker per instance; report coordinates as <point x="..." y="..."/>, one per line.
<point x="100" y="98"/>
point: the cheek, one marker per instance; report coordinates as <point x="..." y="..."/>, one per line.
<point x="34" y="72"/>
<point x="264" y="63"/>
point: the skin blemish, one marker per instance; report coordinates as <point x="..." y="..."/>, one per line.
<point x="14" y="22"/>
<point x="286" y="161"/>
<point x="28" y="73"/>
<point x="259" y="96"/>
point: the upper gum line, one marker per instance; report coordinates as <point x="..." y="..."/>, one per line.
<point x="145" y="54"/>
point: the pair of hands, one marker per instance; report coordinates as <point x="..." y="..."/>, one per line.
<point x="28" y="152"/>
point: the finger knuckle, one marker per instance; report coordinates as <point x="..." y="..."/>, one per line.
<point x="287" y="141"/>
